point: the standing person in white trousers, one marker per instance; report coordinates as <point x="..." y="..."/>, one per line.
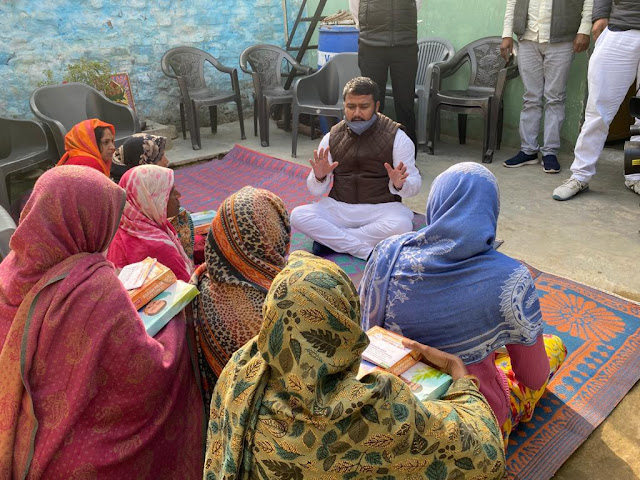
<point x="551" y="32"/>
<point x="371" y="162"/>
<point x="613" y="66"/>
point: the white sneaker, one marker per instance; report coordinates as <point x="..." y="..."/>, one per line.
<point x="569" y="189"/>
<point x="633" y="185"/>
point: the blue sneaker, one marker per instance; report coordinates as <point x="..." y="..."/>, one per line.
<point x="550" y="164"/>
<point x="522" y="159"/>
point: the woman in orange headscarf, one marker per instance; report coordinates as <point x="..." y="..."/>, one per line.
<point x="90" y="143"/>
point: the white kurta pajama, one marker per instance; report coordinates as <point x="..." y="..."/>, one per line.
<point x="357" y="228"/>
<point x="614" y="65"/>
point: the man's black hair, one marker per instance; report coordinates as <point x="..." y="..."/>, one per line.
<point x="361" y="86"/>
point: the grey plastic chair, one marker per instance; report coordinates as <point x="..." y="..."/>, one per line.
<point x="62" y="106"/>
<point x="266" y="62"/>
<point x="24" y="146"/>
<point x="483" y="96"/>
<point x="7" y="227"/>
<point x="186" y="65"/>
<point x="430" y="50"/>
<point x="321" y="92"/>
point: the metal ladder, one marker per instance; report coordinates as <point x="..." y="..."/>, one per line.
<point x="304" y="46"/>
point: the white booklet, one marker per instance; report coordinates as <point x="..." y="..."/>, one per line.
<point x="134" y="275"/>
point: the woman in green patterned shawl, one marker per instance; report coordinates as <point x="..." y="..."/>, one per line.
<point x="288" y="404"/>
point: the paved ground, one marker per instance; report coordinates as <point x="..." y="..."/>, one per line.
<point x="593" y="238"/>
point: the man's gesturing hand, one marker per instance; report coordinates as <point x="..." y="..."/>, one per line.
<point x="320" y="164"/>
<point x="397" y="175"/>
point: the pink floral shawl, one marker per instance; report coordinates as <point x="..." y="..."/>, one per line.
<point x="145" y="216"/>
<point x="84" y="391"/>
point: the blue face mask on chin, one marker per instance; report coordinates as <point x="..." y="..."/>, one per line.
<point x="360" y="126"/>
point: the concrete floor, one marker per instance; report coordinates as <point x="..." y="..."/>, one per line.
<point x="593" y="238"/>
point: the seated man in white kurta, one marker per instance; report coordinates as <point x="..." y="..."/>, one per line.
<point x="371" y="162"/>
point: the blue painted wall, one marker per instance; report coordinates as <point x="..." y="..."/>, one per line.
<point x="132" y="36"/>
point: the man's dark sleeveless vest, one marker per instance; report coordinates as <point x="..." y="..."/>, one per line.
<point x="360" y="176"/>
<point x="566" y="16"/>
<point x="388" y="23"/>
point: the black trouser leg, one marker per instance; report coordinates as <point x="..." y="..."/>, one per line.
<point x="404" y="66"/>
<point x="373" y="64"/>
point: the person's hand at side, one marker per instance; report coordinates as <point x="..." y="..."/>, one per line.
<point x="397" y="175"/>
<point x="443" y="361"/>
<point x="506" y="48"/>
<point x="320" y="164"/>
<point x="581" y="42"/>
<point x="598" y="27"/>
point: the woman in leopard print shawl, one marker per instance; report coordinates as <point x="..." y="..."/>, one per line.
<point x="245" y="249"/>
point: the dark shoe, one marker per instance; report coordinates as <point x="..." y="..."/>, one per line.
<point x="321" y="250"/>
<point x="522" y="159"/>
<point x="550" y="164"/>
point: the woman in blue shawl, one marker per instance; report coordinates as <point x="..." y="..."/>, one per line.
<point x="447" y="287"/>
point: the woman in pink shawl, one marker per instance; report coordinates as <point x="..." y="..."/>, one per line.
<point x="84" y="391"/>
<point x="145" y="230"/>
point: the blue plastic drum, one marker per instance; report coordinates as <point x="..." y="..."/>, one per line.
<point x="334" y="39"/>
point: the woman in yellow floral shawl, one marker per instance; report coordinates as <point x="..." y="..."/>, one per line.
<point x="288" y="404"/>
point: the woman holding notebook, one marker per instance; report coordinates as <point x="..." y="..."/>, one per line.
<point x="147" y="149"/>
<point x="446" y="286"/>
<point x="288" y="404"/>
<point x="84" y="391"/>
<point x="145" y="229"/>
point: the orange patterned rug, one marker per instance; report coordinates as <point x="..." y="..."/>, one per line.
<point x="602" y="334"/>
